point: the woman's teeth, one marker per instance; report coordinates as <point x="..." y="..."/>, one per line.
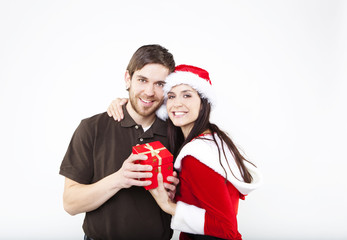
<point x="179" y="113"/>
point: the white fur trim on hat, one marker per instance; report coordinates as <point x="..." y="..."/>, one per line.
<point x="162" y="112"/>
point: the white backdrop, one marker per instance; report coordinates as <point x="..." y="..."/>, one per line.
<point x="279" y="68"/>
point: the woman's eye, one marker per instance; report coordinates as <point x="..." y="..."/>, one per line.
<point x="170" y="97"/>
<point x="142" y="80"/>
<point x="187" y="96"/>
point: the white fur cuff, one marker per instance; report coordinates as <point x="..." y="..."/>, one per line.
<point x="188" y="218"/>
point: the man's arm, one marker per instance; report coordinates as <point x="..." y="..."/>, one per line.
<point x="78" y="198"/>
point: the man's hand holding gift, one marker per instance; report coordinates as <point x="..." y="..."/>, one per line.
<point x="162" y="162"/>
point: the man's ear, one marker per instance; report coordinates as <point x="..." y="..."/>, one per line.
<point x="127" y="80"/>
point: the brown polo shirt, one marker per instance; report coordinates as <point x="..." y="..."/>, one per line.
<point x="98" y="148"/>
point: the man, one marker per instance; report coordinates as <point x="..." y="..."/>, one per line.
<point x="101" y="178"/>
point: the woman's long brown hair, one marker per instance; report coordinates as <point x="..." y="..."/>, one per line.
<point x="202" y="123"/>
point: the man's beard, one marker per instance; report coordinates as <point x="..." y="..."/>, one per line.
<point x="143" y="111"/>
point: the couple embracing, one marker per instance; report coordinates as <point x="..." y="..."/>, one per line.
<point x="171" y="105"/>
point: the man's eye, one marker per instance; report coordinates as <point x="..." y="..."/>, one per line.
<point x="161" y="84"/>
<point x="142" y="80"/>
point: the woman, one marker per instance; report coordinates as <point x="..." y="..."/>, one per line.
<point x="213" y="174"/>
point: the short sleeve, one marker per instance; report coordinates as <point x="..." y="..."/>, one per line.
<point x="78" y="160"/>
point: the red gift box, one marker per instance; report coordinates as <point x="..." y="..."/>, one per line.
<point x="159" y="157"/>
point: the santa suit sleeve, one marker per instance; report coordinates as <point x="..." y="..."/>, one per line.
<point x="208" y="203"/>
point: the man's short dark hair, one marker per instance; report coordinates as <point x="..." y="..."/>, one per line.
<point x="148" y="54"/>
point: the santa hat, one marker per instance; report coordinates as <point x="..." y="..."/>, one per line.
<point x="195" y="77"/>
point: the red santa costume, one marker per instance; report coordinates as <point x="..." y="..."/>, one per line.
<point x="210" y="190"/>
<point x="207" y="204"/>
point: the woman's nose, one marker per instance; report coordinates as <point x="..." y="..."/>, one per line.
<point x="177" y="102"/>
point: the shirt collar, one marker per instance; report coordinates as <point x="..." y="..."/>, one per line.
<point x="159" y="126"/>
<point x="127" y="121"/>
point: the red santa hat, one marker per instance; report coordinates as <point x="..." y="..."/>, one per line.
<point x="195" y="77"/>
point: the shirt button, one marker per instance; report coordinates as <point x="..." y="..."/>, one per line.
<point x="141" y="139"/>
<point x="136" y="127"/>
